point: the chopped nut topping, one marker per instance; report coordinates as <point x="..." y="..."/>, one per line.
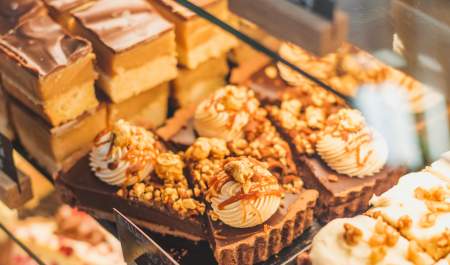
<point x="404" y="223"/>
<point x="377" y="254"/>
<point x="271" y="72"/>
<point x="169" y="167"/>
<point x="352" y="234"/>
<point x="434" y="194"/>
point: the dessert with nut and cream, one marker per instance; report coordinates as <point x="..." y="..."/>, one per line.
<point x="363" y="240"/>
<point x="419" y="207"/>
<point x="249" y="209"/>
<point x="340" y="155"/>
<point x="130" y="169"/>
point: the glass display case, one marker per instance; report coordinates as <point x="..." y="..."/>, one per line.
<point x="225" y="132"/>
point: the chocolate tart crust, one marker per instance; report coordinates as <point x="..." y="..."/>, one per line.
<point x="79" y="187"/>
<point x="256" y="244"/>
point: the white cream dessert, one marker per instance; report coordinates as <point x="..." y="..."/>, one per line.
<point x="225" y="114"/>
<point x="124" y="154"/>
<point x="441" y="168"/>
<point x="351" y="148"/>
<point x="419" y="207"/>
<point x="244" y="194"/>
<point x="363" y="240"/>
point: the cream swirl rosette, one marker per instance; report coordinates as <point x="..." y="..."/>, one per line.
<point x="244" y="194"/>
<point x="123" y="155"/>
<point x="351" y="148"/>
<point x="225" y="114"/>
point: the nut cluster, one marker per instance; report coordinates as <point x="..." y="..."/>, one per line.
<point x="309" y="114"/>
<point x="384" y="236"/>
<point x="436" y="201"/>
<point x="346" y="70"/>
<point x="352" y="234"/>
<point x="173" y="193"/>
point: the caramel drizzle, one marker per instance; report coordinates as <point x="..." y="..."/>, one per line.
<point x="249" y="196"/>
<point x="356" y="144"/>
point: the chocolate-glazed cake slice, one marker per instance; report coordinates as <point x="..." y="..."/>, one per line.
<point x="154" y="190"/>
<point x="135" y="46"/>
<point x="48" y="70"/>
<point x="302" y="116"/>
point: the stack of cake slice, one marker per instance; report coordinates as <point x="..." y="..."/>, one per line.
<point x="201" y="48"/>
<point x="135" y="50"/>
<point x="50" y="76"/>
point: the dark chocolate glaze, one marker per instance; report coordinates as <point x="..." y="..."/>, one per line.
<point x="183" y="12"/>
<point x="41" y="46"/>
<point x="92" y="193"/>
<point x="64" y="5"/>
<point x="12" y="12"/>
<point x="120" y="24"/>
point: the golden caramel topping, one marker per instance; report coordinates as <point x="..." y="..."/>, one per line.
<point x="404" y="223"/>
<point x="352" y="234"/>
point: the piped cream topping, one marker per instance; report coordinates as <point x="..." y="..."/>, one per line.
<point x="244" y="194"/>
<point x="123" y="155"/>
<point x="351" y="148"/>
<point x="225" y="114"/>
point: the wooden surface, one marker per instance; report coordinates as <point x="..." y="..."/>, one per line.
<point x="10" y="194"/>
<point x="293" y="23"/>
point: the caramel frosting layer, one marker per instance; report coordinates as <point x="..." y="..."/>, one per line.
<point x="349" y="147"/>
<point x="225" y="114"/>
<point x="363" y="240"/>
<point x="41" y="46"/>
<point x="12" y="12"/>
<point x="124" y="154"/>
<point x="120" y="25"/>
<point x="244" y="194"/>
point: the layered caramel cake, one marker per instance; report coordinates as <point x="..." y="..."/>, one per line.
<point x="193" y="85"/>
<point x="14" y="12"/>
<point x="48" y="70"/>
<point x="197" y="39"/>
<point x="131" y="170"/>
<point x="57" y="148"/>
<point x="135" y="46"/>
<point x="147" y="109"/>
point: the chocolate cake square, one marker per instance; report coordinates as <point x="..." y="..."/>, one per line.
<point x="135" y="46"/>
<point x="60" y="10"/>
<point x="48" y="70"/>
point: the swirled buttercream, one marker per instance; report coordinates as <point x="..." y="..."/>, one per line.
<point x="123" y="155"/>
<point x="244" y="194"/>
<point x="351" y="148"/>
<point x="225" y="114"/>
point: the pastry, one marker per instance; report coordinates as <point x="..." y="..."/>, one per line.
<point x="60" y="10"/>
<point x="71" y="238"/>
<point x="57" y="148"/>
<point x="135" y="46"/>
<point x="130" y="169"/>
<point x="194" y="85"/>
<point x="197" y="39"/>
<point x="419" y="207"/>
<point x="54" y="75"/>
<point x="147" y="109"/>
<point x="14" y="12"/>
<point x="336" y="152"/>
<point x="251" y="217"/>
<point x="363" y="240"/>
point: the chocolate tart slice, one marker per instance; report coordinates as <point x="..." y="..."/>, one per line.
<point x="154" y="190"/>
<point x="340" y="194"/>
<point x="239" y="239"/>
